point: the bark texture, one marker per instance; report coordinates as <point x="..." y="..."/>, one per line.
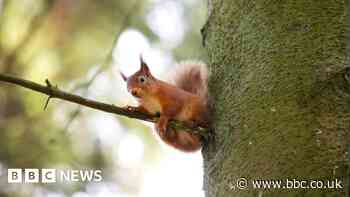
<point x="281" y="95"/>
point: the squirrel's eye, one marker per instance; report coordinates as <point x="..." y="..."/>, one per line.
<point x="142" y="79"/>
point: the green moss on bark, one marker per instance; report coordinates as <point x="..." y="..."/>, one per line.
<point x="281" y="102"/>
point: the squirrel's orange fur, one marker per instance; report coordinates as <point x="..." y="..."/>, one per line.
<point x="184" y="100"/>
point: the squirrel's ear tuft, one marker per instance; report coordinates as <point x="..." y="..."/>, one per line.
<point x="144" y="68"/>
<point x="123" y="76"/>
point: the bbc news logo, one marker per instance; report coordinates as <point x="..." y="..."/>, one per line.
<point x="18" y="175"/>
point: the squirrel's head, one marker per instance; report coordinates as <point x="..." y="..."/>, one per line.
<point x="140" y="83"/>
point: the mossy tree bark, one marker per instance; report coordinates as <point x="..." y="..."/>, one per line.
<point x="281" y="95"/>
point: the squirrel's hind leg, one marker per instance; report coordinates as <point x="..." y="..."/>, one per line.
<point x="161" y="126"/>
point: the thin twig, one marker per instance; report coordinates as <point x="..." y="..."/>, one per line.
<point x="54" y="92"/>
<point x="48" y="84"/>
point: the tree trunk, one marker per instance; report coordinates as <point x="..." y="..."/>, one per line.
<point x="281" y="96"/>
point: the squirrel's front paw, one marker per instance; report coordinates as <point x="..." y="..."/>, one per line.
<point x="131" y="108"/>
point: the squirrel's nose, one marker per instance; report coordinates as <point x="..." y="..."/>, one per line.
<point x="134" y="92"/>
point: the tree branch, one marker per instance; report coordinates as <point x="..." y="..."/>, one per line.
<point x="54" y="92"/>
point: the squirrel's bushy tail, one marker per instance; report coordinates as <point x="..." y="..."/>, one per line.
<point x="191" y="76"/>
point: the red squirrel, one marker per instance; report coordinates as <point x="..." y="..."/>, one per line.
<point x="185" y="100"/>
